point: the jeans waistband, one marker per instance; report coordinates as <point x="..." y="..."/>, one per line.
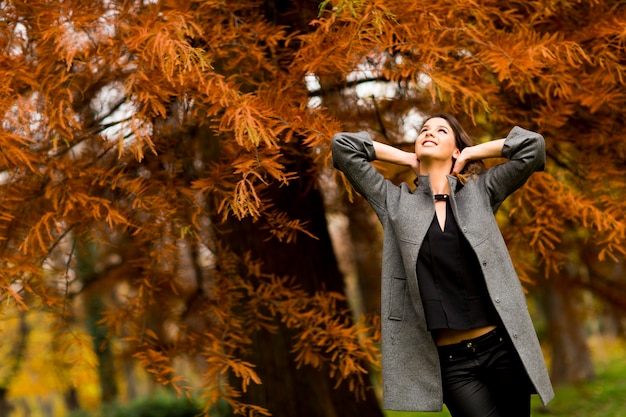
<point x="472" y="346"/>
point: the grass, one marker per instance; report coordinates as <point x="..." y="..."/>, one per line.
<point x="603" y="397"/>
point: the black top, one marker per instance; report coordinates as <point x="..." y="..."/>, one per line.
<point x="452" y="286"/>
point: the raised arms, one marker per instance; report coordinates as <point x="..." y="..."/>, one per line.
<point x="492" y="149"/>
<point x="387" y="153"/>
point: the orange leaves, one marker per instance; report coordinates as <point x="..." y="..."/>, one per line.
<point x="238" y="189"/>
<point x="245" y="201"/>
<point x="65" y="201"/>
<point x="523" y="58"/>
<point x="284" y="229"/>
<point x="44" y="231"/>
<point x="264" y="166"/>
<point x="17" y="298"/>
<point x="603" y="95"/>
<point x="161" y="39"/>
<point x="159" y="363"/>
<point x="206" y="105"/>
<point x="14" y="151"/>
<point x="325" y="335"/>
<point x="555" y="207"/>
<point x="252" y="123"/>
<point x="161" y="64"/>
<point x="222" y="363"/>
<point x="345" y="35"/>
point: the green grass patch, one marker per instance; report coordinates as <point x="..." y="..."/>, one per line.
<point x="604" y="397"/>
<point x="158" y="406"/>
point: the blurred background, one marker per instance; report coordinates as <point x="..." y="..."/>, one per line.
<point x="175" y="241"/>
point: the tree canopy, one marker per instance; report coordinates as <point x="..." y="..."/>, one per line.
<point x="137" y="134"/>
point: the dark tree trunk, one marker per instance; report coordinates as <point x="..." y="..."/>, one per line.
<point x="571" y="357"/>
<point x="365" y="234"/>
<point x="14" y="360"/>
<point x="71" y="399"/>
<point x="287" y="391"/>
<point x="5" y="405"/>
<point x="102" y="348"/>
<point x="86" y="259"/>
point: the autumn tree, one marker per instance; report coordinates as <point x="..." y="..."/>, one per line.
<point x="148" y="146"/>
<point x="185" y="143"/>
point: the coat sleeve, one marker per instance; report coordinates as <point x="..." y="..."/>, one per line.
<point x="526" y="154"/>
<point x="352" y="154"/>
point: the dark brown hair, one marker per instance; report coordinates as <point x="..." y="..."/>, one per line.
<point x="463" y="140"/>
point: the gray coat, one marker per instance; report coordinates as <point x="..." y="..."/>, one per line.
<point x="410" y="364"/>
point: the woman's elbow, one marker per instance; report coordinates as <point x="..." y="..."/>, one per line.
<point x="539" y="152"/>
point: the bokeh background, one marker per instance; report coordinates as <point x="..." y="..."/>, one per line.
<point x="175" y="241"/>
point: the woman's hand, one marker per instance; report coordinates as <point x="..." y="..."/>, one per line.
<point x="461" y="161"/>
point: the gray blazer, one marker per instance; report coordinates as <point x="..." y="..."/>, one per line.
<point x="410" y="363"/>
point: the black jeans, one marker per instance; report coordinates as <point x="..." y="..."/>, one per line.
<point x="484" y="377"/>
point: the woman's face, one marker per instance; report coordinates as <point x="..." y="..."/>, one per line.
<point x="436" y="141"/>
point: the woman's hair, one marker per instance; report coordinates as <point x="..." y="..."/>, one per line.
<point x="463" y="140"/>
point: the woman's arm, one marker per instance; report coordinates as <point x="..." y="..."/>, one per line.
<point x="387" y="153"/>
<point x="491" y="149"/>
<point x="525" y="153"/>
<point x="352" y="154"/>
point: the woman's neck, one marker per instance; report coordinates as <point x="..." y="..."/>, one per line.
<point x="439" y="183"/>
<point x="438" y="177"/>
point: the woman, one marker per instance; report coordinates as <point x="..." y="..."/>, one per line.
<point x="455" y="324"/>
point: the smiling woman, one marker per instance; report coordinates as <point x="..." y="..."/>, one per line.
<point x="446" y="128"/>
<point x="455" y="325"/>
<point x="436" y="142"/>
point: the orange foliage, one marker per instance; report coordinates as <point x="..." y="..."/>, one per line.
<point x="135" y="126"/>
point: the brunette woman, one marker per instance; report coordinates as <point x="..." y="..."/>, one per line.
<point x="456" y="328"/>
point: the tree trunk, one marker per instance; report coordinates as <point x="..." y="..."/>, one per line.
<point x="287" y="391"/>
<point x="5" y="405"/>
<point x="571" y="357"/>
<point x="86" y="259"/>
<point x="102" y="348"/>
<point x="14" y="359"/>
<point x="71" y="399"/>
<point x="365" y="233"/>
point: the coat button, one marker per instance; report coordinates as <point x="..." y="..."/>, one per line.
<point x="484" y="263"/>
<point x="515" y="335"/>
<point x="465" y="230"/>
<point x="497" y="300"/>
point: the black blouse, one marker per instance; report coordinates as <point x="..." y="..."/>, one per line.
<point x="451" y="283"/>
